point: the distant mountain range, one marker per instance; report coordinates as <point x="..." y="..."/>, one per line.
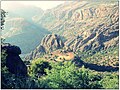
<point x="83" y="25"/>
<point x="20" y="29"/>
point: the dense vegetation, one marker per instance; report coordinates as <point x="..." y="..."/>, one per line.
<point x="44" y="74"/>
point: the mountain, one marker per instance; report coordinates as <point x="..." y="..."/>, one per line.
<point x="84" y="24"/>
<point x="74" y="45"/>
<point x="20" y="29"/>
<point x="24" y="34"/>
<point x="48" y="44"/>
<point x="52" y="42"/>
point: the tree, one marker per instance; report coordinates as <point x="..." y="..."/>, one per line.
<point x="38" y="67"/>
<point x="3" y="15"/>
<point x="66" y="75"/>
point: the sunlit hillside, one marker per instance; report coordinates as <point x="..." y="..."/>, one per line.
<point x="60" y="44"/>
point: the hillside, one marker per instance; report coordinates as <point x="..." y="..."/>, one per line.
<point x="74" y="45"/>
<point x="84" y="24"/>
<point x="20" y="30"/>
<point x="49" y="43"/>
<point x="23" y="33"/>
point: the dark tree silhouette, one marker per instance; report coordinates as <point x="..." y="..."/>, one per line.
<point x="3" y="15"/>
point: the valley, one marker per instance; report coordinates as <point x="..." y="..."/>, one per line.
<point x="73" y="45"/>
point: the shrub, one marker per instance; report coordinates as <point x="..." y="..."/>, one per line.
<point x="110" y="81"/>
<point x="67" y="75"/>
<point x="38" y="67"/>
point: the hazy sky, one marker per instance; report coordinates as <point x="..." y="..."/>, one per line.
<point x="42" y="4"/>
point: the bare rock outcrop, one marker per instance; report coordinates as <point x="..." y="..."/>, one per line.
<point x="48" y="44"/>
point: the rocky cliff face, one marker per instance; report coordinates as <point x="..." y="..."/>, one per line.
<point x="48" y="44"/>
<point x="13" y="62"/>
<point x="85" y="24"/>
<point x="52" y="42"/>
<point x="94" y="22"/>
<point x="105" y="37"/>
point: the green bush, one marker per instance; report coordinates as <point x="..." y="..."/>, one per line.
<point x="66" y="75"/>
<point x="110" y="81"/>
<point x="38" y="67"/>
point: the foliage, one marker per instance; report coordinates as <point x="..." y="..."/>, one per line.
<point x="10" y="81"/>
<point x="110" y="81"/>
<point x="26" y="62"/>
<point x="67" y="75"/>
<point x="3" y="62"/>
<point x="3" y="15"/>
<point x="38" y="67"/>
<point x="2" y="40"/>
<point x="59" y="75"/>
<point x="3" y="58"/>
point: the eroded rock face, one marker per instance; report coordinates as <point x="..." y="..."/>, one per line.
<point x="36" y="53"/>
<point x="102" y="37"/>
<point x="52" y="42"/>
<point x="48" y="44"/>
<point x="85" y="26"/>
<point x="13" y="61"/>
<point x="96" y="24"/>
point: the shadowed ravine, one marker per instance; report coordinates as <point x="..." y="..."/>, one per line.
<point x="95" y="66"/>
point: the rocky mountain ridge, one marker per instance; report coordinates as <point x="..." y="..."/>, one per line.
<point x="84" y="24"/>
<point x="48" y="44"/>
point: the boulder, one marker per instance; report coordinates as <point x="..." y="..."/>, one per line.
<point x="13" y="61"/>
